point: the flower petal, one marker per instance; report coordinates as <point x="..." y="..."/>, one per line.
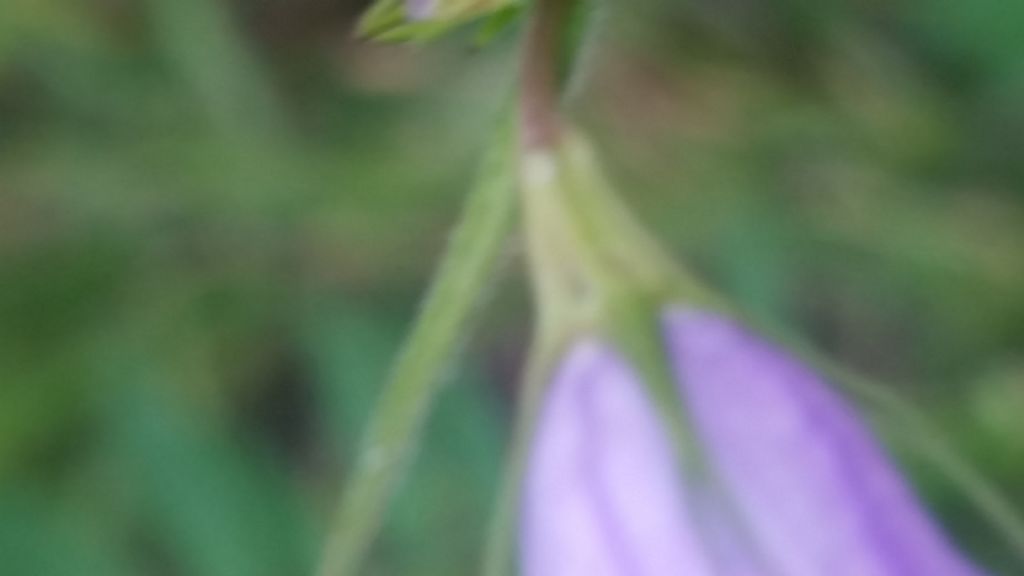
<point x="602" y="493"/>
<point x="818" y="493"/>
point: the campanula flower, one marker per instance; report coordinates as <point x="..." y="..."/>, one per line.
<point x="713" y="453"/>
<point x="792" y="482"/>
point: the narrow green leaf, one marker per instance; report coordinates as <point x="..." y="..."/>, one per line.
<point x="469" y="265"/>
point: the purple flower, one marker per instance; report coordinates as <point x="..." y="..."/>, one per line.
<point x="788" y="481"/>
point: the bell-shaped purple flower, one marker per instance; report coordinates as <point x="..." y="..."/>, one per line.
<point x="788" y="480"/>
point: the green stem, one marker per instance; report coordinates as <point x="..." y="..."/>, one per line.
<point x="540" y="130"/>
<point x="468" y="266"/>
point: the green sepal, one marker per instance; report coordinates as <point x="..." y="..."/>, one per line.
<point x="597" y="274"/>
<point x="544" y="356"/>
<point x="588" y="253"/>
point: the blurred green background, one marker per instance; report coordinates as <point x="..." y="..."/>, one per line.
<point x="216" y="219"/>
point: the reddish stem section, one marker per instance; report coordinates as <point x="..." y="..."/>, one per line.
<point x="539" y="84"/>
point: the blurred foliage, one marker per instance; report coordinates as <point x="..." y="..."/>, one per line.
<point x="216" y="219"/>
<point x="420" y="20"/>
